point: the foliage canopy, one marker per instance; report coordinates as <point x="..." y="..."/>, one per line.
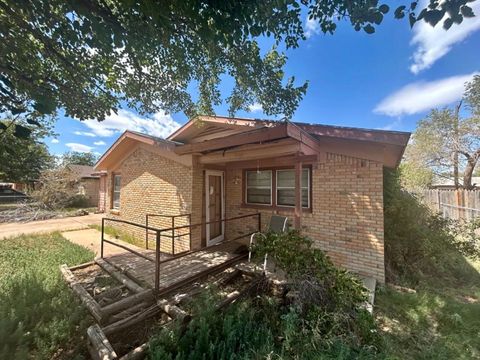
<point x="88" y="56"/>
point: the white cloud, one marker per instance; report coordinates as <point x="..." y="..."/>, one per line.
<point x="160" y="124"/>
<point x="432" y="43"/>
<point x="255" y="107"/>
<point x="312" y="27"/>
<point x="79" y="147"/>
<point x="84" y="133"/>
<point x="99" y="143"/>
<point x="55" y="141"/>
<point x="394" y="125"/>
<point x="420" y="96"/>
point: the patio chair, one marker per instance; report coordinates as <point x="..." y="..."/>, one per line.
<point x="278" y="224"/>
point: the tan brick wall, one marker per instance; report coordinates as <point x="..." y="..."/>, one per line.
<point x="91" y="187"/>
<point x="347" y="216"/>
<point x="152" y="184"/>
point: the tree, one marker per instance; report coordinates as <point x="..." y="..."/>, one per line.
<point x="78" y="158"/>
<point x="87" y="56"/>
<point x="446" y="142"/>
<point x="22" y="159"/>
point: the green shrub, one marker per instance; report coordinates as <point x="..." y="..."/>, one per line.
<point x="77" y="201"/>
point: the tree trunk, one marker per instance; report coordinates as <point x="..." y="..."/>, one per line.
<point x="471" y="163"/>
<point x="456" y="144"/>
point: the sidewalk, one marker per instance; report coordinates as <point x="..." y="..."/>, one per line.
<point x="43" y="226"/>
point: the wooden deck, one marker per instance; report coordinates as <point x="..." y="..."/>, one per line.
<point x="175" y="270"/>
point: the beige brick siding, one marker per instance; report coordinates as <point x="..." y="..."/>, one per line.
<point x="347" y="200"/>
<point x="152" y="184"/>
<point x="347" y="216"/>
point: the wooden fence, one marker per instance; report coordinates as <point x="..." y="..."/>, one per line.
<point x="453" y="204"/>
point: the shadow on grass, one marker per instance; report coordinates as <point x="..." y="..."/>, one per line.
<point x="441" y="320"/>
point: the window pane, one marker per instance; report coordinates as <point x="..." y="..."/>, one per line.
<point x="116" y="184"/>
<point x="259" y="178"/>
<point x="286" y="197"/>
<point x="286" y="178"/>
<point x="258" y="196"/>
<point x="116" y="199"/>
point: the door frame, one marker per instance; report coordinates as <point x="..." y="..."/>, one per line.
<point x="207" y="205"/>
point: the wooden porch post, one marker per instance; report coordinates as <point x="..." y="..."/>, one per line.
<point x="298" y="194"/>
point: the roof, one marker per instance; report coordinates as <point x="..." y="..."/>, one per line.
<point x="83" y="171"/>
<point x="125" y="143"/>
<point x="451" y="183"/>
<point x="208" y="128"/>
<point x="212" y="133"/>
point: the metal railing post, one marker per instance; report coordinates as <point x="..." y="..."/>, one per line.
<point x="190" y="231"/>
<point x="173" y="235"/>
<point x="157" y="261"/>
<point x="259" y="222"/>
<point x="101" y="240"/>
<point x="146" y="231"/>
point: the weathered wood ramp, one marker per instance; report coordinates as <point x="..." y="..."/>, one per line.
<point x="138" y="276"/>
<point x="178" y="269"/>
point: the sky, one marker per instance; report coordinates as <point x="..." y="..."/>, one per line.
<point x="388" y="80"/>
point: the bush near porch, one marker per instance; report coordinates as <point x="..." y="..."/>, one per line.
<point x="39" y="315"/>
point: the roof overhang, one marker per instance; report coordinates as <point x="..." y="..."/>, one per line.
<point x="125" y="144"/>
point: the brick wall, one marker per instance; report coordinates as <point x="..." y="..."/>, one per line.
<point x="91" y="188"/>
<point x="347" y="216"/>
<point x="152" y="184"/>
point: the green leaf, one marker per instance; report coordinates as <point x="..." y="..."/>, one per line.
<point x="447" y="24"/>
<point x="369" y="29"/>
<point x="45" y="105"/>
<point x="434" y="16"/>
<point x="33" y="122"/>
<point x="22" y="132"/>
<point x="384" y="8"/>
<point x="2" y="126"/>
<point x="412" y="19"/>
<point x="400" y="12"/>
<point x="467" y="11"/>
<point x="16" y="111"/>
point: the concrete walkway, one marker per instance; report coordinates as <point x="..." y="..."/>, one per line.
<point x="90" y="238"/>
<point x="44" y="226"/>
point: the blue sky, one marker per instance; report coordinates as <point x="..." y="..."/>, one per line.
<point x="388" y="80"/>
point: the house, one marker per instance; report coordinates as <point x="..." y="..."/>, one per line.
<point x="449" y="183"/>
<point x="328" y="180"/>
<point x="86" y="182"/>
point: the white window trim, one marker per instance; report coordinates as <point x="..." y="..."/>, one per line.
<point x="290" y="188"/>
<point x="261" y="187"/>
<point x="114" y="191"/>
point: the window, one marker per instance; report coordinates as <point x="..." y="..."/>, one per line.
<point x="276" y="187"/>
<point x="286" y="188"/>
<point x="116" y="191"/>
<point x="259" y="187"/>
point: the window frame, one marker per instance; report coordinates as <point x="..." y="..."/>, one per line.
<point x="114" y="175"/>
<point x="283" y="187"/>
<point x="273" y="205"/>
<point x="246" y="188"/>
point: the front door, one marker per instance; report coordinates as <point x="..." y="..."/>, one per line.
<point x="215" y="205"/>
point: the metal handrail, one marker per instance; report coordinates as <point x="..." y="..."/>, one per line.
<point x="172" y="236"/>
<point x="158" y="239"/>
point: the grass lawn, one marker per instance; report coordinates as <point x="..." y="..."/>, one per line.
<point x="39" y="316"/>
<point x="124" y="236"/>
<point x="440" y="321"/>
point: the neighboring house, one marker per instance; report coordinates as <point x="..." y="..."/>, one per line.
<point x="449" y="184"/>
<point x="328" y="180"/>
<point x="86" y="182"/>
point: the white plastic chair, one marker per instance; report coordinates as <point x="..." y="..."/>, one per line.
<point x="278" y="224"/>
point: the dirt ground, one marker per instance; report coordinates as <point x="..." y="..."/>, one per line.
<point x="45" y="226"/>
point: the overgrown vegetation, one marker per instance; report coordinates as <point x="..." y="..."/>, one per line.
<point x="321" y="317"/>
<point x="420" y="243"/>
<point x="123" y="235"/>
<point x="39" y="317"/>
